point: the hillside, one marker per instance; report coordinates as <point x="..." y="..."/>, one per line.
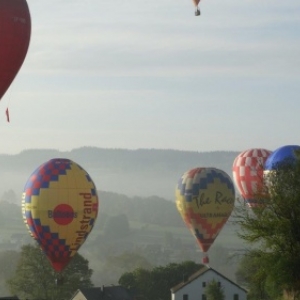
<point x="143" y="172"/>
<point x="147" y="226"/>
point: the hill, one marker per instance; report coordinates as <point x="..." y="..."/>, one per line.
<point x="142" y="172"/>
<point x="128" y="226"/>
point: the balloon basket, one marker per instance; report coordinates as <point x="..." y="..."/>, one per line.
<point x="59" y="280"/>
<point x="205" y="260"/>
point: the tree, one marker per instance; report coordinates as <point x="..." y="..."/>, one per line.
<point x="274" y="229"/>
<point x="35" y="279"/>
<point x="156" y="283"/>
<point x="116" y="265"/>
<point x="8" y="264"/>
<point x="255" y="279"/>
<point x="214" y="291"/>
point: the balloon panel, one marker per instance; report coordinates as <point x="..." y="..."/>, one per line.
<point x="60" y="206"/>
<point x="205" y="200"/>
<point x="15" y="30"/>
<point x="247" y="169"/>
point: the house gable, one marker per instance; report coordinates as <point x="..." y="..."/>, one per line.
<point x="88" y="294"/>
<point x="194" y="287"/>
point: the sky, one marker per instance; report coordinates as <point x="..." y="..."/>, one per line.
<point x="149" y="74"/>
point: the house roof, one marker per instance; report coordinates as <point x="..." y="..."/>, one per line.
<point x="116" y="293"/>
<point x="105" y="293"/>
<point x="94" y="293"/>
<point x="198" y="274"/>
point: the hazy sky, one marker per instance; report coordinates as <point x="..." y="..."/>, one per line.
<point x="149" y="74"/>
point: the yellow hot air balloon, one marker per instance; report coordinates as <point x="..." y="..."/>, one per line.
<point x="60" y="207"/>
<point x="205" y="199"/>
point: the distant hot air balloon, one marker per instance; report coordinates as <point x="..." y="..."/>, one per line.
<point x="205" y="199"/>
<point x="15" y="30"/>
<point x="248" y="170"/>
<point x="60" y="206"/>
<point x="197" y="10"/>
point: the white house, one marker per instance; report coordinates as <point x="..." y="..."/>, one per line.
<point x="193" y="288"/>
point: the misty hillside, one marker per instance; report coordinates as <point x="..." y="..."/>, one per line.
<point x="143" y="172"/>
<point x="150" y="227"/>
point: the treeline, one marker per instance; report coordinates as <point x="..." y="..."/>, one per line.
<point x="141" y="159"/>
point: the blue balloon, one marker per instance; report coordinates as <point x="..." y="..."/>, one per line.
<point x="284" y="154"/>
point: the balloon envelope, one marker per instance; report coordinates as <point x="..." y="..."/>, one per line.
<point x="205" y="200"/>
<point x="248" y="170"/>
<point x="15" y="30"/>
<point x="281" y="155"/>
<point x="60" y="206"/>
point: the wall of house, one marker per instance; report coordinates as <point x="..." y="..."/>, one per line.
<point x="195" y="289"/>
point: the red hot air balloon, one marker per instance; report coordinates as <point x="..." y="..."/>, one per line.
<point x="248" y="169"/>
<point x="15" y="30"/>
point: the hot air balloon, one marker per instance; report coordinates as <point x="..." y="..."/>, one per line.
<point x="60" y="207"/>
<point x="279" y="158"/>
<point x="284" y="154"/>
<point x="205" y="199"/>
<point x="197" y="10"/>
<point x="248" y="170"/>
<point x="279" y="172"/>
<point x="15" y="30"/>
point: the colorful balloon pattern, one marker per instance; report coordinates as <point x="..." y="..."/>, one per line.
<point x="60" y="207"/>
<point x="15" y="31"/>
<point x="205" y="199"/>
<point x="248" y="172"/>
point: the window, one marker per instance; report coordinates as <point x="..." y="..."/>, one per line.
<point x="185" y="297"/>
<point x="203" y="297"/>
<point x="203" y="284"/>
<point x="235" y="297"/>
<point x="219" y="284"/>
